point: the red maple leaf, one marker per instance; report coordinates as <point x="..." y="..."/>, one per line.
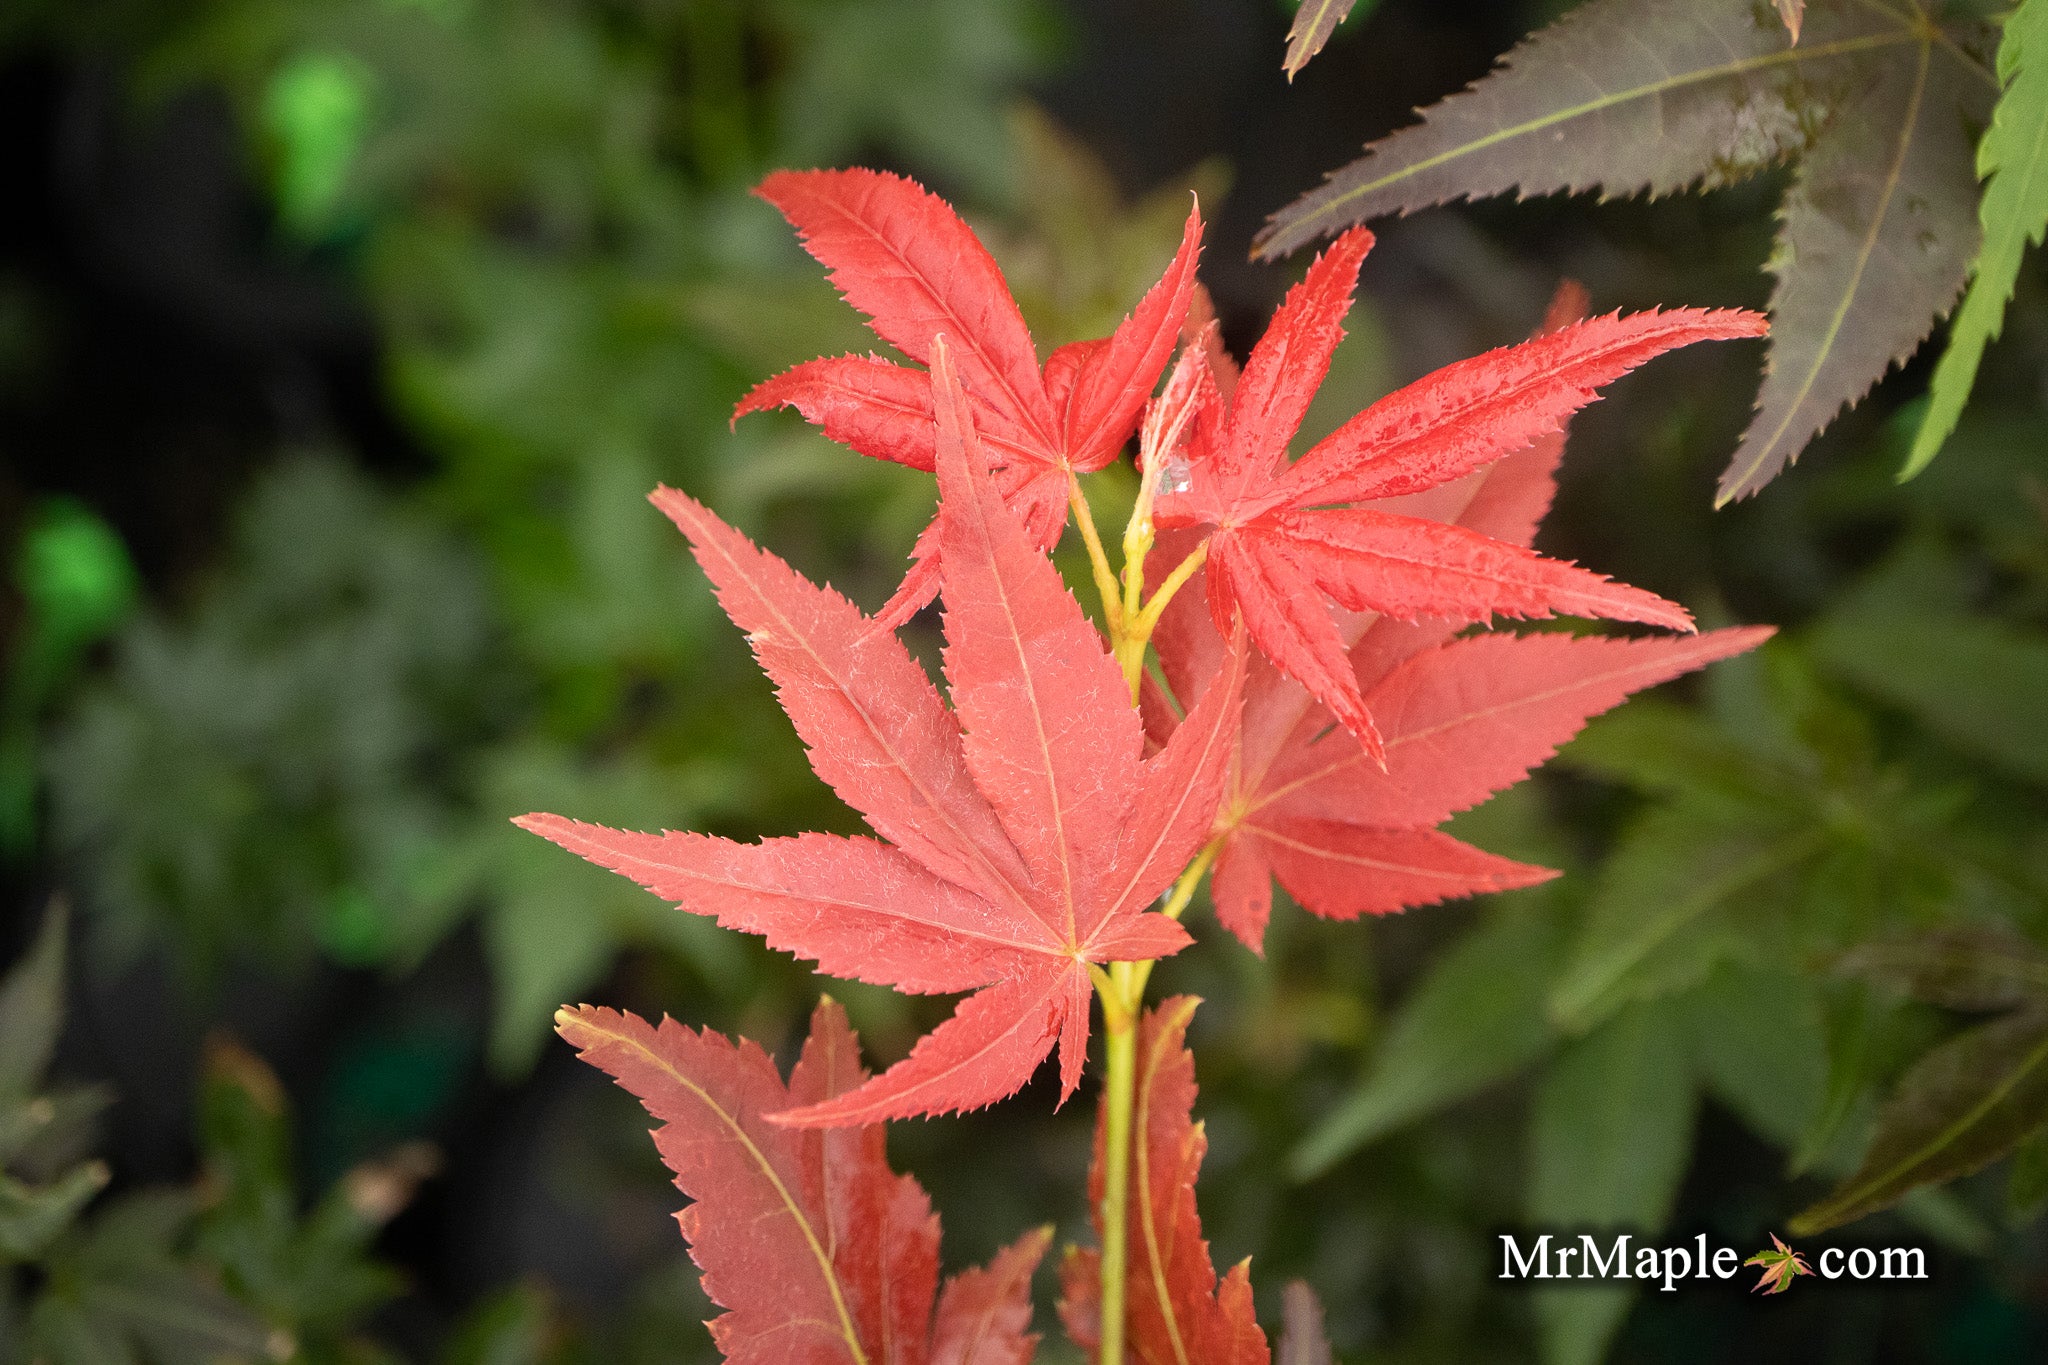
<point x="903" y="257"/>
<point x="1026" y="832"/>
<point x="1176" y="1311"/>
<point x="1349" y="832"/>
<point x="1287" y="538"/>
<point x="819" y="1253"/>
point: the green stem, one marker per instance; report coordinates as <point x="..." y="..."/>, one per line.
<point x="1098" y="558"/>
<point x="1131" y="620"/>
<point x="1138" y="624"/>
<point x="1122" y="990"/>
<point x="1119" y="1088"/>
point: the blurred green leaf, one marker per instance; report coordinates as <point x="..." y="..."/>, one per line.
<point x="2026" y="1189"/>
<point x="1475" y="1017"/>
<point x="32" y="1008"/>
<point x="553" y="923"/>
<point x="1609" y="1140"/>
<point x="30" y="1219"/>
<point x="512" y="1327"/>
<point x="289" y="738"/>
<point x="1978" y="683"/>
<point x="75" y="573"/>
<point x="117" y="1291"/>
<point x="1658" y="746"/>
<point x="316" y="111"/>
<point x="1966" y="967"/>
<point x="1962" y="1106"/>
<point x="1758" y="1039"/>
<point x="309" y="1272"/>
<point x="1657" y="923"/>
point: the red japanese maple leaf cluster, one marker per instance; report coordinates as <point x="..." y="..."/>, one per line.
<point x="903" y="257"/>
<point x="1322" y="714"/>
<point x="1288" y="540"/>
<point x="1350" y="828"/>
<point x="1024" y="831"/>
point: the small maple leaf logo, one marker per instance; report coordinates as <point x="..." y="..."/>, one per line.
<point x="1780" y="1267"/>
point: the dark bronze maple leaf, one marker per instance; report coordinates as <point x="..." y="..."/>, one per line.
<point x="1874" y="105"/>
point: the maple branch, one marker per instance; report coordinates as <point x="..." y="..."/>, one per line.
<point x="1118" y="1092"/>
<point x="1098" y="558"/>
<point x="1122" y="990"/>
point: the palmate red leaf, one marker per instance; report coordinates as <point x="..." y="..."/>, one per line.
<point x="1177" y="1312"/>
<point x="1461" y="721"/>
<point x="902" y="256"/>
<point x="1026" y="831"/>
<point x="1350" y="832"/>
<point x="818" y="1252"/>
<point x="1281" y="544"/>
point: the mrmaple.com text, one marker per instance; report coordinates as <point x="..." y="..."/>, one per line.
<point x="1588" y="1260"/>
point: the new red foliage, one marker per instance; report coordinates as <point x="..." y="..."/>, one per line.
<point x="818" y="1252"/>
<point x="1281" y="546"/>
<point x="1027" y="833"/>
<point x="903" y="257"/>
<point x="1349" y="832"/>
<point x="1178" y="1313"/>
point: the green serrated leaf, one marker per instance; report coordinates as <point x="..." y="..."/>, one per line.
<point x="1476" y="1016"/>
<point x="1655" y="924"/>
<point x="1962" y="1106"/>
<point x="1610" y="1138"/>
<point x="2012" y="160"/>
<point x="1978" y="683"/>
<point x="32" y="1008"/>
<point x="1965" y="967"/>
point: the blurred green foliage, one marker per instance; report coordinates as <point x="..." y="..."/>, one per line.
<point x="547" y="209"/>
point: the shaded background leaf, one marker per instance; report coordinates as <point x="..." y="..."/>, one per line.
<point x="1965" y="1104"/>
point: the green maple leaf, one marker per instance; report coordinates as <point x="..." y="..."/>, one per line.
<point x="2013" y="160"/>
<point x="1872" y="105"/>
<point x="1781" y="1266"/>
